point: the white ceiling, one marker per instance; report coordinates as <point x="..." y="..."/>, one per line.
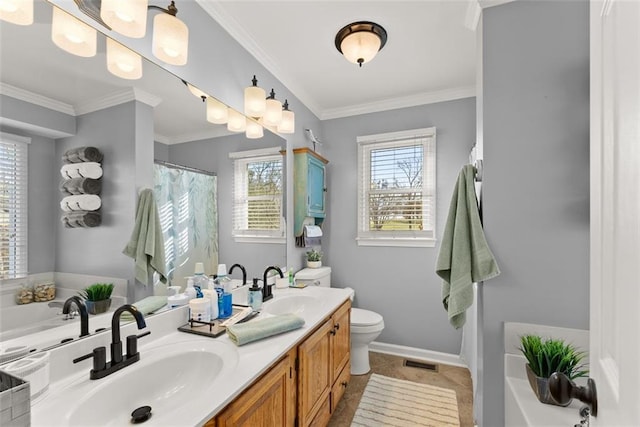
<point x="429" y="55"/>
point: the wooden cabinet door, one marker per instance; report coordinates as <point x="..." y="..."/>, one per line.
<point x="340" y="345"/>
<point x="314" y="375"/>
<point x="268" y="402"/>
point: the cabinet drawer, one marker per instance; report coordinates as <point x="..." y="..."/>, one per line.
<point x="339" y="387"/>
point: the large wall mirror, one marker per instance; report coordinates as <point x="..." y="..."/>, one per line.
<point x="61" y="101"/>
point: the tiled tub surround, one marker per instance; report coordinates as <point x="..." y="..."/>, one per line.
<point x="252" y="361"/>
<point x="522" y="407"/>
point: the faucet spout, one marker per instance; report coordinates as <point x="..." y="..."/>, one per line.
<point x="244" y="272"/>
<point x="266" y="289"/>
<point x="116" y="343"/>
<point x="84" y="314"/>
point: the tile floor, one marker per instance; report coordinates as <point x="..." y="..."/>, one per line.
<point x="452" y="377"/>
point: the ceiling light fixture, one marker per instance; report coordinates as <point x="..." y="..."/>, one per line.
<point x="72" y="35"/>
<point x="122" y="61"/>
<point x="195" y="91"/>
<point x="16" y="11"/>
<point x="254" y="100"/>
<point x="273" y="114"/>
<point x="288" y="123"/>
<point x="359" y="42"/>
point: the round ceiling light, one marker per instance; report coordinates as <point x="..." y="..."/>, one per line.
<point x="359" y="42"/>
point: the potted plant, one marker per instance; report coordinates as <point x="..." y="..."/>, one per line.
<point x="97" y="297"/>
<point x="544" y="357"/>
<point x="314" y="259"/>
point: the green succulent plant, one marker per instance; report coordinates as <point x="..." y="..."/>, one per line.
<point x="552" y="355"/>
<point x="97" y="292"/>
<point x="314" y="255"/>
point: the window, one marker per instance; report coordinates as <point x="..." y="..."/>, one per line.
<point x="13" y="206"/>
<point x="257" y="196"/>
<point x="396" y="188"/>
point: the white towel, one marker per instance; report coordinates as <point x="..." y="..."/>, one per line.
<point x="81" y="202"/>
<point x="313" y="231"/>
<point x="81" y="170"/>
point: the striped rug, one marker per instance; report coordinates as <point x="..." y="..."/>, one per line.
<point x="392" y="402"/>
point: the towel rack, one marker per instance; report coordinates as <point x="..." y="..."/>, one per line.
<point x="478" y="167"/>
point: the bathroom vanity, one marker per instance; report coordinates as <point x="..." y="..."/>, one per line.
<point x="293" y="378"/>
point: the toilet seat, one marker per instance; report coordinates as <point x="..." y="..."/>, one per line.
<point x="365" y="321"/>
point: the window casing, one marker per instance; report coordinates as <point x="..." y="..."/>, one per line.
<point x="13" y="206"/>
<point x="258" y="196"/>
<point x="397" y="188"/>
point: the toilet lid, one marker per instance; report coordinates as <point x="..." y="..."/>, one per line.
<point x="360" y="317"/>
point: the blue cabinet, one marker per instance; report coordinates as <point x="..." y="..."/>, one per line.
<point x="309" y="177"/>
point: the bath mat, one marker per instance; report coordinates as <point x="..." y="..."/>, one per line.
<point x="392" y="402"/>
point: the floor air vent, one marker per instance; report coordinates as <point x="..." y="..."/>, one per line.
<point x="422" y="365"/>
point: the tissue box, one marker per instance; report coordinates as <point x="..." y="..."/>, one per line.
<point x="15" y="401"/>
<point x="34" y="369"/>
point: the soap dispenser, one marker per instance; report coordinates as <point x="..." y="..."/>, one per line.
<point x="255" y="295"/>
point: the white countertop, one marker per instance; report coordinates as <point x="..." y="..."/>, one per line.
<point x="251" y="361"/>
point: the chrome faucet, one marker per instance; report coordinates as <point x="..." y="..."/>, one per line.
<point x="266" y="289"/>
<point x="84" y="314"/>
<point x="244" y="272"/>
<point x="102" y="368"/>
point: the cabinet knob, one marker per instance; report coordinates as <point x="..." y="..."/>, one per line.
<point x="333" y="331"/>
<point x="337" y="326"/>
<point x="344" y="384"/>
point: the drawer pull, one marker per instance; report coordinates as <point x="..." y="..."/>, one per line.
<point x="344" y="384"/>
<point x="337" y="326"/>
<point x="332" y="331"/>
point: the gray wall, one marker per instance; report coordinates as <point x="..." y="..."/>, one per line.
<point x="536" y="183"/>
<point x="398" y="283"/>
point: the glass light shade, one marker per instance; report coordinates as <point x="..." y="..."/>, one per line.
<point x="128" y="17"/>
<point x="217" y="112"/>
<point x="288" y="123"/>
<point x="17" y="11"/>
<point x="362" y="45"/>
<point x="273" y="114"/>
<point x="254" y="101"/>
<point x="170" y="39"/>
<point x="196" y="92"/>
<point x="72" y="35"/>
<point x="254" y="129"/>
<point x="122" y="61"/>
<point x="237" y="122"/>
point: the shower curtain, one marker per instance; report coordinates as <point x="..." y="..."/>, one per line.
<point x="187" y="205"/>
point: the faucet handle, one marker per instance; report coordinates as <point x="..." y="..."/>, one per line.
<point x="99" y="355"/>
<point x="132" y="343"/>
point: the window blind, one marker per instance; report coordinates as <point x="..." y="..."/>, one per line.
<point x="13" y="206"/>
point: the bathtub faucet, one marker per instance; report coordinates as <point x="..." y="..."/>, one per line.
<point x="84" y="314"/>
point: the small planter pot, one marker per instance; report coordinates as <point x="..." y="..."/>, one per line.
<point x="98" y="307"/>
<point x="540" y="387"/>
<point x="314" y="264"/>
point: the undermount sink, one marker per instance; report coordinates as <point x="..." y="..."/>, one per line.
<point x="167" y="377"/>
<point x="296" y="304"/>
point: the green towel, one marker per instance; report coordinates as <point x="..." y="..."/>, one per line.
<point x="464" y="255"/>
<point x="146" y="305"/>
<point x="146" y="245"/>
<point x="243" y="333"/>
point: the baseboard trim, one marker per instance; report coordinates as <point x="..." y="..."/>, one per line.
<point x="417" y="354"/>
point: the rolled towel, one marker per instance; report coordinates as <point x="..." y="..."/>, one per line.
<point x="75" y="186"/>
<point x="244" y="333"/>
<point x="81" y="170"/>
<point x="146" y="306"/>
<point x="82" y="154"/>
<point x="81" y="219"/>
<point x="82" y="202"/>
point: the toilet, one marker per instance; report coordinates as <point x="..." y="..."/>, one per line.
<point x="366" y="325"/>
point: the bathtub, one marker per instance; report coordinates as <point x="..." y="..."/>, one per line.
<point x="20" y="320"/>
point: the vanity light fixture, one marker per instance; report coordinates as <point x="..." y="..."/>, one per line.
<point x="360" y="41"/>
<point x="170" y="36"/>
<point x="273" y="114"/>
<point x="122" y="61"/>
<point x="217" y="112"/>
<point x="255" y="103"/>
<point x="254" y="129"/>
<point x="72" y="35"/>
<point x="17" y="11"/>
<point x="288" y="122"/>
<point x="196" y="92"/>
<point x="237" y="122"/>
<point x="128" y="17"/>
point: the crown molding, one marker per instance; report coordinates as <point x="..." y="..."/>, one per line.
<point x="117" y="98"/>
<point x="216" y="10"/>
<point x="400" y="102"/>
<point x="37" y="99"/>
<point x="491" y="3"/>
<point x="216" y="132"/>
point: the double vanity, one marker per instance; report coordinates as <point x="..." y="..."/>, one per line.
<point x="295" y="378"/>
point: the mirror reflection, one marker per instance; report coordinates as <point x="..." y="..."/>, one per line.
<point x="58" y="101"/>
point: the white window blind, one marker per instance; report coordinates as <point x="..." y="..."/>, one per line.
<point x="396" y="188"/>
<point x="13" y="206"/>
<point x="257" y="196"/>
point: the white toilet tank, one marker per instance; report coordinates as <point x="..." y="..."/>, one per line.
<point x="315" y="276"/>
